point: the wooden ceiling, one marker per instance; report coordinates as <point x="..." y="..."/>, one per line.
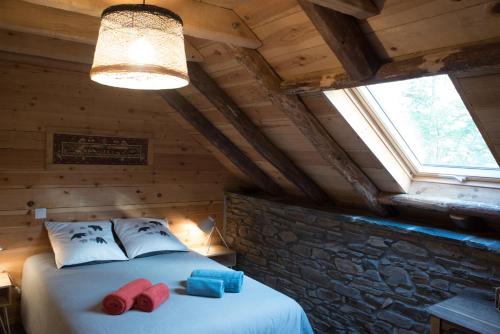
<point x="304" y="52"/>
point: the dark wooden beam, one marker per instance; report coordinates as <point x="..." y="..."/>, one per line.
<point x="219" y="140"/>
<point x="310" y="126"/>
<point x="483" y="57"/>
<point x="230" y="110"/>
<point x="343" y="35"/>
<point x="440" y="204"/>
<point x="361" y="9"/>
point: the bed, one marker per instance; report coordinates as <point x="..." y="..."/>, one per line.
<point x="67" y="301"/>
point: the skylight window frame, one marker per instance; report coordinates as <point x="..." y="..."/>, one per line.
<point x="379" y="121"/>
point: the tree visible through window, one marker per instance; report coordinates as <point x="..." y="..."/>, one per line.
<point x="431" y="118"/>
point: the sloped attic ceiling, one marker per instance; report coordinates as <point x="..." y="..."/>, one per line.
<point x="289" y="42"/>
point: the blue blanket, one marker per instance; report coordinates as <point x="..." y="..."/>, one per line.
<point x="67" y="301"/>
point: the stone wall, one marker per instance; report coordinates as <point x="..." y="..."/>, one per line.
<point x="355" y="274"/>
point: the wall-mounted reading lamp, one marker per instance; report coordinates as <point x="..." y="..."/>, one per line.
<point x="209" y="226"/>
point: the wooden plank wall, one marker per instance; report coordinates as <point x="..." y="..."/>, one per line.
<point x="185" y="182"/>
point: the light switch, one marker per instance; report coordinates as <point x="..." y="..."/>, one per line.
<point x="41" y="213"/>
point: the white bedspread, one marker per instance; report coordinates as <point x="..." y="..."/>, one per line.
<point x="67" y="301"/>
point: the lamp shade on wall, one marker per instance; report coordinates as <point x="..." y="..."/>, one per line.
<point x="207" y="225"/>
<point x="140" y="47"/>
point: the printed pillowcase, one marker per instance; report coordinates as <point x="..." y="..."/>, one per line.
<point x="146" y="236"/>
<point x="83" y="243"/>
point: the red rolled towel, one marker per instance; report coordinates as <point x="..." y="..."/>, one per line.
<point x="153" y="297"/>
<point x="123" y="299"/>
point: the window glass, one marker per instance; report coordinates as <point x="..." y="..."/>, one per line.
<point x="431" y="119"/>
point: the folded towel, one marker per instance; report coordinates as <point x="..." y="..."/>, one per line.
<point x="153" y="297"/>
<point x="205" y="287"/>
<point x="123" y="299"/>
<point x="233" y="280"/>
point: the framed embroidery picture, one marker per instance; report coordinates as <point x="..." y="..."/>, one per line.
<point x="67" y="148"/>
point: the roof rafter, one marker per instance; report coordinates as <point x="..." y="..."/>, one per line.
<point x="230" y="110"/>
<point x="343" y="35"/>
<point x="310" y="127"/>
<point x="193" y="116"/>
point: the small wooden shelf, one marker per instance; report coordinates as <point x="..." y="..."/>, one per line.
<point x="219" y="253"/>
<point x="474" y="313"/>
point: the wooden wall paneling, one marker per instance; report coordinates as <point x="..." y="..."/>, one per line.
<point x="343" y="35"/>
<point x="481" y="95"/>
<point x="455" y="24"/>
<point x="399" y="13"/>
<point x="185" y="183"/>
<point x="287" y="35"/>
<point x="253" y="15"/>
<point x="244" y="125"/>
<point x="309" y="125"/>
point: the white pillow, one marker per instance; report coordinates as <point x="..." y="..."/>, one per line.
<point x="146" y="236"/>
<point x="83" y="243"/>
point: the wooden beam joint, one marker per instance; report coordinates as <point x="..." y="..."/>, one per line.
<point x="483" y="57"/>
<point x="343" y="35"/>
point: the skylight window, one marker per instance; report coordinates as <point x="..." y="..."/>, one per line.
<point x="420" y="130"/>
<point x="429" y="120"/>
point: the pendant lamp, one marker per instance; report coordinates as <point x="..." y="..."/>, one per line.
<point x="140" y="47"/>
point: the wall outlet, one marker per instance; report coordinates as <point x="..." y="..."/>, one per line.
<point x="41" y="213"/>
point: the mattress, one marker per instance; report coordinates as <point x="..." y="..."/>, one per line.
<point x="67" y="301"/>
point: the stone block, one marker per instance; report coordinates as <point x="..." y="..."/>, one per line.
<point x="348" y="266"/>
<point x="346" y="291"/>
<point x="409" y="249"/>
<point x="318" y="253"/>
<point x="395" y="319"/>
<point x="417" y="313"/>
<point x="419" y="277"/>
<point x="315" y="276"/>
<point x="395" y="276"/>
<point x="269" y="230"/>
<point x="440" y="284"/>
<point x="377" y="242"/>
<point x="288" y="236"/>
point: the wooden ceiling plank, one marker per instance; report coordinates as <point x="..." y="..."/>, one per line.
<point x="49" y="22"/>
<point x="483" y="57"/>
<point x="343" y="35"/>
<point x="476" y="118"/>
<point x="194" y="117"/>
<point x="259" y="141"/>
<point x="310" y="127"/>
<point x="200" y="19"/>
<point x="361" y="9"/>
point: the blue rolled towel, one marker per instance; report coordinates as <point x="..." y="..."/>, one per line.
<point x="233" y="280"/>
<point x="205" y="287"/>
